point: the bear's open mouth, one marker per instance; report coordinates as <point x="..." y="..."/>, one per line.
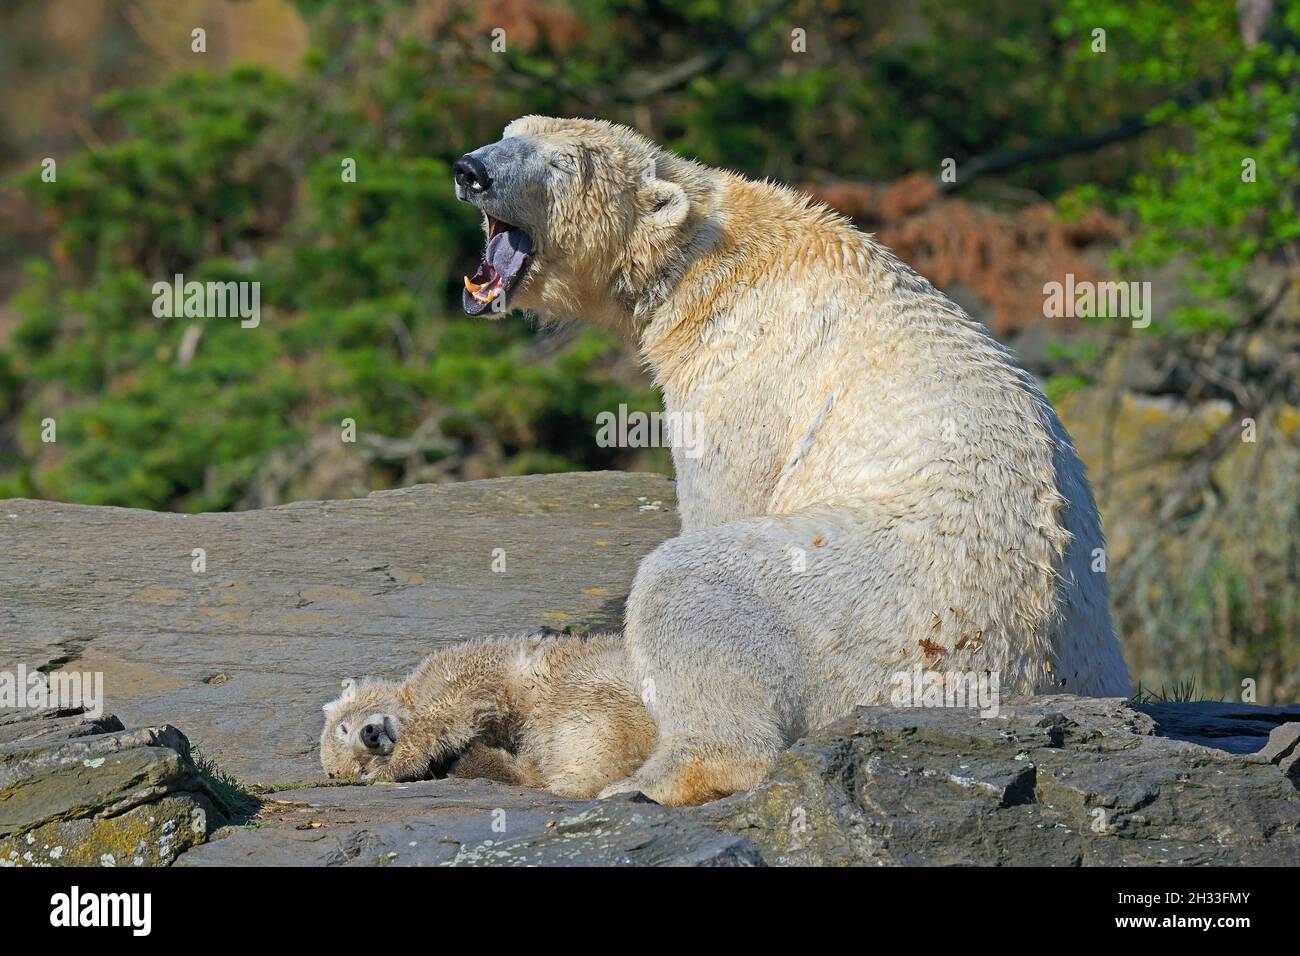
<point x="506" y="257"/>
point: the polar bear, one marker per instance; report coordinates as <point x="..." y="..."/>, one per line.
<point x="552" y="711"/>
<point x="876" y="486"/>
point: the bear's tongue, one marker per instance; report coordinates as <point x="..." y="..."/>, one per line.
<point x="505" y="256"/>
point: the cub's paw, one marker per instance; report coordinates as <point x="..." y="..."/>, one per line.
<point x="416" y="759"/>
<point x="404" y="765"/>
<point x="404" y="768"/>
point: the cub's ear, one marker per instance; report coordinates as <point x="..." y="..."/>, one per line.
<point x="348" y="696"/>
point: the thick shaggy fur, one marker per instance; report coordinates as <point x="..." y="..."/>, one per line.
<point x="880" y="485"/>
<point x="558" y="713"/>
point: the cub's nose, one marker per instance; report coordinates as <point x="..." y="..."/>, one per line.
<point x="371" y="733"/>
<point x="471" y="174"/>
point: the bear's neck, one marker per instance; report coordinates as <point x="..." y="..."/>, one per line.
<point x="746" y="236"/>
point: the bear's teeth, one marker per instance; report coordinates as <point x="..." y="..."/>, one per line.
<point x="473" y="287"/>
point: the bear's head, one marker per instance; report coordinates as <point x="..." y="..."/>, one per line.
<point x="361" y="727"/>
<point x="580" y="216"/>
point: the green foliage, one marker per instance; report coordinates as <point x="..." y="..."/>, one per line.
<point x="1227" y="108"/>
<point x="358" y="281"/>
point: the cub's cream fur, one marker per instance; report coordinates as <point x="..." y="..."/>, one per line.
<point x="880" y="486"/>
<point x="553" y="712"/>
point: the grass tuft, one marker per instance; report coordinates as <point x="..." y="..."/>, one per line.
<point x="1182" y="691"/>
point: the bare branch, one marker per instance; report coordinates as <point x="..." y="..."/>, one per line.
<point x="1131" y="127"/>
<point x="706" y="62"/>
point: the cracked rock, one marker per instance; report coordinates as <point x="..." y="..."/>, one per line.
<point x="77" y="792"/>
<point x="1053" y="781"/>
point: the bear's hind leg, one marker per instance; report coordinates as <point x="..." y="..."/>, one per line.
<point x="592" y="730"/>
<point x="743" y="636"/>
<point x="718" y="665"/>
<point x="495" y="763"/>
<point x="686" y="771"/>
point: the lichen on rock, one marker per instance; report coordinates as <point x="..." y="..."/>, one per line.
<point x="76" y="792"/>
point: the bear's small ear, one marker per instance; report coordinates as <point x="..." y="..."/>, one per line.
<point x="668" y="205"/>
<point x="348" y="696"/>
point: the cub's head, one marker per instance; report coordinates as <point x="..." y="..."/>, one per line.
<point x="578" y="214"/>
<point x="361" y="727"/>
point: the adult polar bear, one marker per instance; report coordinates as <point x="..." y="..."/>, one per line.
<point x="880" y="485"/>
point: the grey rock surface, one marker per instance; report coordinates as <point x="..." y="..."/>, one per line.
<point x="465" y="823"/>
<point x="1058" y="780"/>
<point x="295" y="598"/>
<point x="81" y="792"/>
<point x="1283" y="749"/>
<point x="408" y="824"/>
<point x="620" y="831"/>
<point x="1236" y="728"/>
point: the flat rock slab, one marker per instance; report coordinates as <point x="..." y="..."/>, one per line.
<point x="294" y="598"/>
<point x="466" y="823"/>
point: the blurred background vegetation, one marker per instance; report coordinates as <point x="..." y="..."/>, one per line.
<point x="1165" y="150"/>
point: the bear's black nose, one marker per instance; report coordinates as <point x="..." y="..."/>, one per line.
<point x="370" y="735"/>
<point x="471" y="174"/>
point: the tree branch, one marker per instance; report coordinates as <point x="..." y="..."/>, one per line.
<point x="706" y="62"/>
<point x="1130" y="127"/>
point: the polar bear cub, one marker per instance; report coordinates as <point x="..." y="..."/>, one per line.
<point x="546" y="711"/>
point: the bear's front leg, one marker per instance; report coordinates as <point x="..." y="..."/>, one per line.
<point x="410" y="760"/>
<point x="437" y="734"/>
